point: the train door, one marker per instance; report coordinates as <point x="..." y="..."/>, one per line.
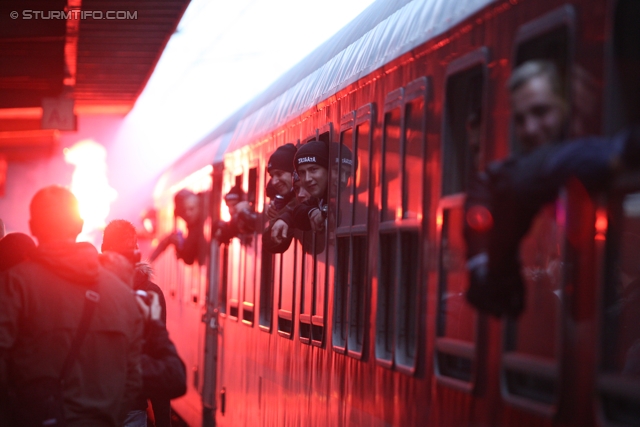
<point x="459" y="329"/>
<point x="532" y="344"/>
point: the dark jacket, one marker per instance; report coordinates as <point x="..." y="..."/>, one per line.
<point x="514" y="191"/>
<point x="286" y="215"/>
<point x="41" y="301"/>
<point x="163" y="371"/>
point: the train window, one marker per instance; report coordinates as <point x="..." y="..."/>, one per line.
<point x="623" y="85"/>
<point x="530" y="362"/>
<point x="391" y="190"/>
<point x="344" y="220"/>
<point x="287" y="272"/>
<point x="550" y="38"/>
<point x="361" y="162"/>
<point x="457" y="326"/>
<point x="414" y="141"/>
<point x="399" y="283"/>
<point x="267" y="262"/>
<point x="234" y="275"/>
<point x="250" y="253"/>
<point x="224" y="283"/>
<point x="619" y="372"/>
<point x="350" y="284"/>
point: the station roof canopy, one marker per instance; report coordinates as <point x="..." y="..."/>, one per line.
<point x="100" y="53"/>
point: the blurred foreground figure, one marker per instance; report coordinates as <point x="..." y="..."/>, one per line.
<point x="14" y="248"/>
<point x="503" y="201"/>
<point x="70" y="331"/>
<point x="163" y="371"/>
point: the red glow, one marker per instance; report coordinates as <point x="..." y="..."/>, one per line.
<point x="479" y="218"/>
<point x="601" y="224"/>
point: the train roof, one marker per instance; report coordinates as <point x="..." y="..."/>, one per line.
<point x="383" y="32"/>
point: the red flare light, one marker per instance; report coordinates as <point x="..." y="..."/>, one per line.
<point x="479" y="218"/>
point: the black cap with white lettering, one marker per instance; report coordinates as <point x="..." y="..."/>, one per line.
<point x="312" y="152"/>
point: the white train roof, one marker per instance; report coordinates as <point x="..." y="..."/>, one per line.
<point x="384" y="31"/>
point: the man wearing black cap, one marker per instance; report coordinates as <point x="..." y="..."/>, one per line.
<point x="312" y="164"/>
<point x="280" y="168"/>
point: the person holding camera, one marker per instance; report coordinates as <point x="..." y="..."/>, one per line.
<point x="163" y="372"/>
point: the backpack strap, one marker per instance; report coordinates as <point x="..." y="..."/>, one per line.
<point x="90" y="301"/>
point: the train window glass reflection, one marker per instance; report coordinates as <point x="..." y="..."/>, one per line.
<point x="341" y="295"/>
<point x="386" y="299"/>
<point x="350" y="284"/>
<point x="267" y="281"/>
<point x="344" y="181"/>
<point x="391" y="190"/>
<point x="224" y="282"/>
<point x="287" y="273"/>
<point x="413" y="140"/>
<point x="462" y="125"/>
<point x="619" y="380"/>
<point x="462" y="142"/>
<point x="361" y="167"/>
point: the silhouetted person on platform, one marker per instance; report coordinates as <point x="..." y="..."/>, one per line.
<point x="14" y="248"/>
<point x="59" y="296"/>
<point x="163" y="372"/>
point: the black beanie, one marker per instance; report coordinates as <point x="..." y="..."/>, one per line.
<point x="235" y="194"/>
<point x="282" y="158"/>
<point x="313" y="152"/>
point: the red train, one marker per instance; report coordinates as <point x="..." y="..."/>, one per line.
<point x="372" y="328"/>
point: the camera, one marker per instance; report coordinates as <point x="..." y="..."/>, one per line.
<point x="146" y="297"/>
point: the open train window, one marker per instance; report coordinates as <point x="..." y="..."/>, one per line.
<point x="399" y="283"/>
<point x="531" y="360"/>
<point x="549" y="37"/>
<point x="352" y="184"/>
<point x="458" y="326"/>
<point x="619" y="371"/>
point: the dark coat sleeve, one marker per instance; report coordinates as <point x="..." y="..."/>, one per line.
<point x="163" y="371"/>
<point x="269" y="244"/>
<point x="301" y="214"/>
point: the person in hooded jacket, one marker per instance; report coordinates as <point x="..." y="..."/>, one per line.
<point x="42" y="301"/>
<point x="164" y="374"/>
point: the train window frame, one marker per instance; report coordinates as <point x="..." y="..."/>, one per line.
<point x="615" y="391"/>
<point x="562" y="17"/>
<point x="398" y="326"/>
<point x="312" y="325"/>
<point x="285" y="319"/>
<point x="537" y="375"/>
<point x="349" y="332"/>
<point x="448" y="350"/>
<point x="248" y="307"/>
<point x="234" y="310"/>
<point x="266" y="295"/>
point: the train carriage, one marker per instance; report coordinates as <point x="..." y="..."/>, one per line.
<point x="369" y="327"/>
